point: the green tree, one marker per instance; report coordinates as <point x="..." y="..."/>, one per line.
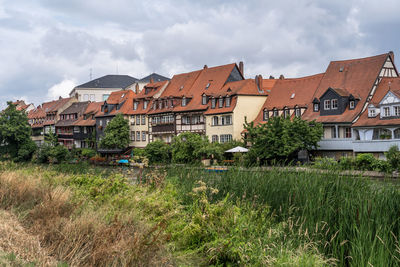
<point x="280" y="139"/>
<point x="158" y="152"/>
<point x="15" y="134"/>
<point x="116" y="134"/>
<point x="186" y="147"/>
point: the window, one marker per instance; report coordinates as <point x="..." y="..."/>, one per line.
<point x="371" y="112"/>
<point x="221" y="102"/>
<point x="287" y="113"/>
<point x="225" y="138"/>
<point x="85" y="97"/>
<point x="143" y="136"/>
<point x="143" y="119"/>
<point x="215" y="138"/>
<point x="228" y="120"/>
<point x="298" y="112"/>
<point x="215" y="121"/>
<point x="396" y="111"/>
<point x="347" y="132"/>
<point x="213" y="103"/>
<point x="107" y="121"/>
<point x="265" y="115"/>
<point x="145" y="104"/>
<point x="137" y="136"/>
<point x="183" y="102"/>
<point x="208" y="85"/>
<point x="100" y="122"/>
<point x="77" y="129"/>
<point x="172" y="103"/>
<point x="228" y="101"/>
<point x="92" y="97"/>
<point x="386" y="111"/>
<point x="196" y="119"/>
<point x="204" y="100"/>
<point x="222" y="120"/>
<point x="137" y="119"/>
<point x="132" y="135"/>
<point x="275" y="112"/>
<point x="185" y="120"/>
<point x="160" y="104"/>
<point x="85" y="129"/>
<point x="105" y="97"/>
<point x="327" y="104"/>
<point x="333" y="132"/>
<point x="316" y="107"/>
<point x="135" y="105"/>
<point x="334" y="103"/>
<point x="397" y="133"/>
<point x="352" y="104"/>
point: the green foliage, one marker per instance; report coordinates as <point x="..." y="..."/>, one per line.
<point x="186" y="147"/>
<point x="88" y="153"/>
<point x="325" y="163"/>
<point x="58" y="154"/>
<point x="116" y="134"/>
<point x="347" y="163"/>
<point x="210" y="151"/>
<point x="51" y="139"/>
<point x="15" y="134"/>
<point x="157" y="152"/>
<point x="365" y="161"/>
<point x="393" y="157"/>
<point x="280" y="139"/>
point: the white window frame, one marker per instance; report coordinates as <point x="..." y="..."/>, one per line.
<point x="316" y="107"/>
<point x="215" y="121"/>
<point x="327" y="104"/>
<point x="334" y="103"/>
<point x="371" y="112"/>
<point x="138" y="136"/>
<point x="386" y="111"/>
<point x="352" y="104"/>
<point x="143" y="136"/>
<point x="396" y="111"/>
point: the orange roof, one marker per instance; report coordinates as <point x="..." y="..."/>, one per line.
<point x="124" y="96"/>
<point x="356" y="76"/>
<point x="152" y="89"/>
<point x="386" y="85"/>
<point x="92" y="109"/>
<point x="224" y="109"/>
<point x="37" y="113"/>
<point x="290" y="93"/>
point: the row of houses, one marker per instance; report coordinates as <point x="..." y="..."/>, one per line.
<point x="357" y="101"/>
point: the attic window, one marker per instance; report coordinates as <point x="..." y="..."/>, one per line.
<point x="316" y="107"/>
<point x="221" y="102"/>
<point x="228" y="101"/>
<point x="265" y="115"/>
<point x="351" y="104"/>
<point x="204" y="100"/>
<point x="122" y="95"/>
<point x="183" y="101"/>
<point x="292" y="96"/>
<point x="208" y="85"/>
<point x="341" y="69"/>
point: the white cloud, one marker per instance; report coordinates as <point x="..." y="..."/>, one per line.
<point x="62" y="89"/>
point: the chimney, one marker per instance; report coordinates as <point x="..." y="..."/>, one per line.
<point x="205" y="67"/>
<point x="59" y="98"/>
<point x="391" y="55"/>
<point x="281" y="77"/>
<point x="137" y="88"/>
<point x="271" y="77"/>
<point x="259" y="82"/>
<point x="241" y="68"/>
<point x="151" y="80"/>
<point x="76" y="95"/>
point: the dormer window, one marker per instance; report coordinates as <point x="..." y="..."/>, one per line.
<point x="298" y="112"/>
<point x="204" y="100"/>
<point x="265" y="115"/>
<point x="145" y="104"/>
<point x="183" y="101"/>
<point x="221" y="102"/>
<point x="327" y="104"/>
<point x="316" y="107"/>
<point x="228" y="101"/>
<point x="160" y="104"/>
<point x="334" y="104"/>
<point x="371" y="112"/>
<point x="135" y="105"/>
<point x="172" y="103"/>
<point x="208" y="85"/>
<point x="213" y="102"/>
<point x="396" y="110"/>
<point x="386" y="111"/>
<point x="352" y="104"/>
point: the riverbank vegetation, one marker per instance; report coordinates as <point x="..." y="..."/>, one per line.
<point x="189" y="217"/>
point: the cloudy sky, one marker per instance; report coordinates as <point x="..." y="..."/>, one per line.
<point x="49" y="46"/>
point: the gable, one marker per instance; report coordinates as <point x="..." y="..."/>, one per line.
<point x="329" y="94"/>
<point x="235" y="75"/>
<point x="389" y="98"/>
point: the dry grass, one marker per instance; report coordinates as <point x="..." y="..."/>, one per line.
<point x="14" y="239"/>
<point x="81" y="238"/>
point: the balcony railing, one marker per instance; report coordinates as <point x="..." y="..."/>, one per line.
<point x="336" y="144"/>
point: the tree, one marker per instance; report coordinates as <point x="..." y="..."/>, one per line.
<point x="186" y="147"/>
<point x="280" y="139"/>
<point x="116" y="134"/>
<point x="15" y="134"/>
<point x="158" y="152"/>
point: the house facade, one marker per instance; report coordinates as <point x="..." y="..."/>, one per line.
<point x="84" y="133"/>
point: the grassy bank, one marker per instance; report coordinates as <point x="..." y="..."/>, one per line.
<point x="353" y="220"/>
<point x="187" y="217"/>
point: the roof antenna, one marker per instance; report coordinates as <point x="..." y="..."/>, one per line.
<point x="90" y="74"/>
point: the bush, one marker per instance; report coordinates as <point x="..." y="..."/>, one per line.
<point x="382" y="166"/>
<point x="58" y="154"/>
<point x="88" y="153"/>
<point x="325" y="163"/>
<point x="347" y="163"/>
<point x="365" y="161"/>
<point x="393" y="157"/>
<point x="158" y="152"/>
<point x="186" y="147"/>
<point x="42" y="154"/>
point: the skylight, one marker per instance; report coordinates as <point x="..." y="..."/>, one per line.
<point x="181" y="87"/>
<point x="208" y="85"/>
<point x="341" y="69"/>
<point x="292" y="96"/>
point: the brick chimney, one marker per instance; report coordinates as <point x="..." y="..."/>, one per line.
<point x="241" y="68"/>
<point x="205" y="67"/>
<point x="281" y="77"/>
<point x="137" y="88"/>
<point x="259" y="82"/>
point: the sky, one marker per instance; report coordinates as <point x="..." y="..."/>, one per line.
<point x="47" y="47"/>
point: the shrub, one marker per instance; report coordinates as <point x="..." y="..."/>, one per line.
<point x="365" y="161"/>
<point x="158" y="152"/>
<point x="58" y="154"/>
<point x="88" y="153"/>
<point x="325" y="163"/>
<point x="186" y="147"/>
<point x="393" y="157"/>
<point x="347" y="163"/>
<point x="381" y="165"/>
<point x="42" y="154"/>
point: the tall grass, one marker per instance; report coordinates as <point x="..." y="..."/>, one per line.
<point x="349" y="218"/>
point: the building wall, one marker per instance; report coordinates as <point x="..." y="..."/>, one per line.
<point x="246" y="106"/>
<point x="220" y="129"/>
<point x="134" y="127"/>
<point x="97" y="92"/>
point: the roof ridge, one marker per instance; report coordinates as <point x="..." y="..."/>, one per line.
<point x="359" y="59"/>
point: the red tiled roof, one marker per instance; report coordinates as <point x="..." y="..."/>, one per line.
<point x="92" y="109"/>
<point x="224" y="109"/>
<point x="290" y="93"/>
<point x="356" y="76"/>
<point x="37" y="113"/>
<point x="386" y="85"/>
<point x="123" y="96"/>
<point x="153" y="89"/>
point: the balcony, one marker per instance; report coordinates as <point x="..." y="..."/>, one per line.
<point x="336" y="144"/>
<point x="162" y="128"/>
<point x="65" y="136"/>
<point x="374" y="145"/>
